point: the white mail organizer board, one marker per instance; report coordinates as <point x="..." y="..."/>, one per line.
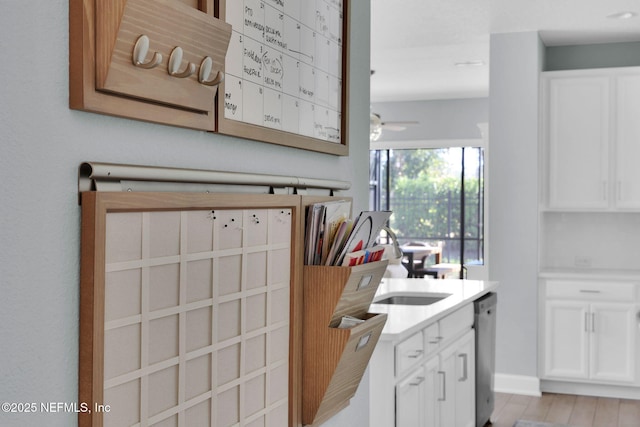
<point x="195" y="317"/>
<point x="284" y="66"/>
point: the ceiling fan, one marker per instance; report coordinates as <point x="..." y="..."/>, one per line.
<point x="377" y="126"/>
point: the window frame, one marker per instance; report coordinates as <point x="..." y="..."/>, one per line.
<point x="478" y="272"/>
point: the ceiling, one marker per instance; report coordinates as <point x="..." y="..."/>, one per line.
<point x="416" y="44"/>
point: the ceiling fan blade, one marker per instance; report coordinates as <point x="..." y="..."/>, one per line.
<point x="397" y="126"/>
<point x="394" y="128"/>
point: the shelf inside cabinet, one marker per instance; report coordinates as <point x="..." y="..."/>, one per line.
<point x="334" y="359"/>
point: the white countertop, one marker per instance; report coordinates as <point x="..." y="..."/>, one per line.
<point x="404" y="320"/>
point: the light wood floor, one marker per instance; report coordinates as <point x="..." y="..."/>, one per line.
<point x="575" y="411"/>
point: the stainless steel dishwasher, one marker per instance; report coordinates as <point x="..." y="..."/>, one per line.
<point x="485" y="329"/>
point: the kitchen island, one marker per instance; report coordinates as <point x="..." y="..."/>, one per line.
<point x="422" y="371"/>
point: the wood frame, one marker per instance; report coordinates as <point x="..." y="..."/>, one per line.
<point x="83" y="72"/>
<point x="335" y="359"/>
<point x="95" y="206"/>
<point x="85" y="75"/>
<point x="274" y="136"/>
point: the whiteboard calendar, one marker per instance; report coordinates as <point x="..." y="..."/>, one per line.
<point x="284" y="72"/>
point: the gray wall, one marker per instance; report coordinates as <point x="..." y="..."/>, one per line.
<point x="516" y="60"/>
<point x="42" y="143"/>
<point x="443" y="119"/>
<point x="592" y="56"/>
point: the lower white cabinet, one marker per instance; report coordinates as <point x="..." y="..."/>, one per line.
<point x="428" y="379"/>
<point x="410" y="400"/>
<point x="590" y="341"/>
<point x="449" y="396"/>
<point x="589" y="332"/>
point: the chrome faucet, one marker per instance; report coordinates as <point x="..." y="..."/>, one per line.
<point x="394" y="239"/>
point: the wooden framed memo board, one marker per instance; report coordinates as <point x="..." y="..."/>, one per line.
<point x="286" y="79"/>
<point x="187" y="304"/>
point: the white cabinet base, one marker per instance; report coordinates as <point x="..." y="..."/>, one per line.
<point x="590" y="389"/>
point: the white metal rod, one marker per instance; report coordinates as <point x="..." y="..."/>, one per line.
<point x="94" y="171"/>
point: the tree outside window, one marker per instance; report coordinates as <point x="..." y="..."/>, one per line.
<point x="423" y="187"/>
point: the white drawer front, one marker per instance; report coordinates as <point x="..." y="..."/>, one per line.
<point x="408" y="353"/>
<point x="456" y="323"/>
<point x="432" y="338"/>
<point x="592" y="291"/>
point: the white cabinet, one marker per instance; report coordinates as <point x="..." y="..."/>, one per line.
<point x="565" y="340"/>
<point x="612" y="342"/>
<point x="577" y="126"/>
<point x="627" y="142"/>
<point x="410" y="398"/>
<point x="589" y="334"/>
<point x="455" y="402"/>
<point x="442" y="393"/>
<point x="428" y="379"/>
<point x="591" y="132"/>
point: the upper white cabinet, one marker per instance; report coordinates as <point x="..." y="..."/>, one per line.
<point x="591" y="136"/>
<point x="628" y="141"/>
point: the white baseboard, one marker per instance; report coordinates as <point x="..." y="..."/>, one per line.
<point x="517" y="384"/>
<point x="586" y="389"/>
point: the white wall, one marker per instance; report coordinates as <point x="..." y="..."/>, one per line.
<point x="42" y="143"/>
<point x="446" y="119"/>
<point x="516" y="60"/>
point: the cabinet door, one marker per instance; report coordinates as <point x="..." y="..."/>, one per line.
<point x="448" y="377"/>
<point x="612" y="342"/>
<point x="410" y="398"/>
<point x="627" y="146"/>
<point x="465" y="385"/>
<point x="433" y="392"/>
<point x="578" y="138"/>
<point x="565" y="339"/>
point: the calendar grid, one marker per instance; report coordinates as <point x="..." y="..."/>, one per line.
<point x="284" y="66"/>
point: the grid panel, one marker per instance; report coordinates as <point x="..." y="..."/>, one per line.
<point x="197" y="318"/>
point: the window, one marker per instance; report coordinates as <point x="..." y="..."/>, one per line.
<point x="429" y="191"/>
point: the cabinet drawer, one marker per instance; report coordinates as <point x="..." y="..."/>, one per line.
<point x="432" y="338"/>
<point x="599" y="291"/>
<point x="456" y="323"/>
<point x="408" y="352"/>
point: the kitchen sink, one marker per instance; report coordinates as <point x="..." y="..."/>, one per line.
<point x="412" y="299"/>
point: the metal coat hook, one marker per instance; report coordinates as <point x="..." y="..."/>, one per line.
<point x="175" y="60"/>
<point x="140" y="51"/>
<point x="205" y="69"/>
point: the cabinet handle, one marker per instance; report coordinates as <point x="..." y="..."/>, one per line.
<point x="415" y="354"/>
<point x="443" y="386"/>
<point x="435" y="340"/>
<point x="619" y="190"/>
<point x="593" y="322"/>
<point x="465" y="369"/>
<point x="589" y="291"/>
<point x="586" y="322"/>
<point x="419" y="380"/>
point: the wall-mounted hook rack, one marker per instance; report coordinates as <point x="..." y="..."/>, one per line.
<point x="119" y="59"/>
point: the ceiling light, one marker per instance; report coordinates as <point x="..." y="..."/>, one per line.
<point x="623" y="15"/>
<point x="476" y="63"/>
